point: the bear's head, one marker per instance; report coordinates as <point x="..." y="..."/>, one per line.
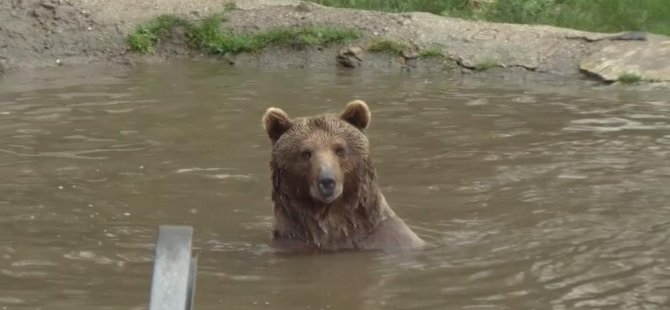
<point x="320" y="159"/>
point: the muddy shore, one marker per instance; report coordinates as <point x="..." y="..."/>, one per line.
<point x="45" y="33"/>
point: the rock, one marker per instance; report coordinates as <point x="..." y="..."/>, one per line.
<point x="48" y="5"/>
<point x="623" y="36"/>
<point x="350" y="57"/>
<point x="648" y="59"/>
<point x="305" y="7"/>
<point x="409" y="54"/>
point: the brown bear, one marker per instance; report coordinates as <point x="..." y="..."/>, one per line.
<point x="324" y="185"/>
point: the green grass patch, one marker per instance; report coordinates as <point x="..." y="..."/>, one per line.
<point x="629" y="78"/>
<point x="431" y="52"/>
<point x="209" y="35"/>
<point x="311" y="36"/>
<point x="590" y="15"/>
<point x="433" y="6"/>
<point x="146" y="36"/>
<point x="230" y="6"/>
<point x="485" y="65"/>
<point x="388" y="46"/>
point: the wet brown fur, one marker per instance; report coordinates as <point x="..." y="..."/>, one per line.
<point x="360" y="218"/>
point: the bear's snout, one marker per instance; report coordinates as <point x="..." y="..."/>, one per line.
<point x="326" y="186"/>
<point x="326" y="182"/>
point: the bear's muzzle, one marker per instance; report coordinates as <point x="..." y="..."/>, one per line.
<point x="326" y="186"/>
<point x="326" y="183"/>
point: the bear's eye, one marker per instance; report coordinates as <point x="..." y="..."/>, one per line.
<point x="340" y="151"/>
<point x="306" y="155"/>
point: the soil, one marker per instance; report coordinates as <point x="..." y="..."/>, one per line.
<point x="43" y="33"/>
<point x="49" y="33"/>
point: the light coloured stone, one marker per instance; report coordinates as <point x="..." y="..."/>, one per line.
<point x="648" y="59"/>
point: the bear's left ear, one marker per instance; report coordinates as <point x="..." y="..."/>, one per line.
<point x="357" y="113"/>
<point x="276" y="122"/>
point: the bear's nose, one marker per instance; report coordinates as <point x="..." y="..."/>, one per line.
<point x="326" y="183"/>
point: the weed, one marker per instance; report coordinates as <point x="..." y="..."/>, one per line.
<point x="145" y="37"/>
<point x="485" y="65"/>
<point x="433" y="6"/>
<point x="432" y="52"/>
<point x="208" y="35"/>
<point x="308" y="36"/>
<point x="230" y="6"/>
<point x="629" y="78"/>
<point x="388" y="46"/>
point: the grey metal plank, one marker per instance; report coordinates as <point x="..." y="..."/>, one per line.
<point x="174" y="269"/>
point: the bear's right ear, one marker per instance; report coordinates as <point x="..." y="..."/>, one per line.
<point x="276" y="122"/>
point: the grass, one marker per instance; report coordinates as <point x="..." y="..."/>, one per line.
<point x="397" y="48"/>
<point x="485" y="65"/>
<point x="230" y="6"/>
<point x="209" y="36"/>
<point x="590" y="15"/>
<point x="312" y="36"/>
<point x="431" y="52"/>
<point x="388" y="46"/>
<point x="433" y="6"/>
<point x="145" y="37"/>
<point x="629" y="78"/>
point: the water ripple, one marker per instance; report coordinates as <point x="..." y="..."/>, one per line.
<point x="612" y="124"/>
<point x="531" y="197"/>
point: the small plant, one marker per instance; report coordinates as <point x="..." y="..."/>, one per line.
<point x="388" y="46"/>
<point x="308" y="36"/>
<point x="230" y="6"/>
<point x="486" y="65"/>
<point x="432" y="52"/>
<point x="208" y="36"/>
<point x="145" y="37"/>
<point x="629" y="78"/>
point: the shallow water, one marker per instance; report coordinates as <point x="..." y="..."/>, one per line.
<point x="531" y="196"/>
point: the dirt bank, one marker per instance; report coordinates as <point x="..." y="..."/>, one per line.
<point x="39" y="33"/>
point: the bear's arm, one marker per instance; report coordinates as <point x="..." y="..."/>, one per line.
<point x="392" y="234"/>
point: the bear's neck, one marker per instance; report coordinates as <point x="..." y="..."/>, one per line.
<point x="341" y="224"/>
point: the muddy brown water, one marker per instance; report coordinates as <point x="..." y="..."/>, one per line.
<point x="532" y="196"/>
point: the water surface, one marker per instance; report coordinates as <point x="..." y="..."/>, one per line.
<point x="532" y="196"/>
